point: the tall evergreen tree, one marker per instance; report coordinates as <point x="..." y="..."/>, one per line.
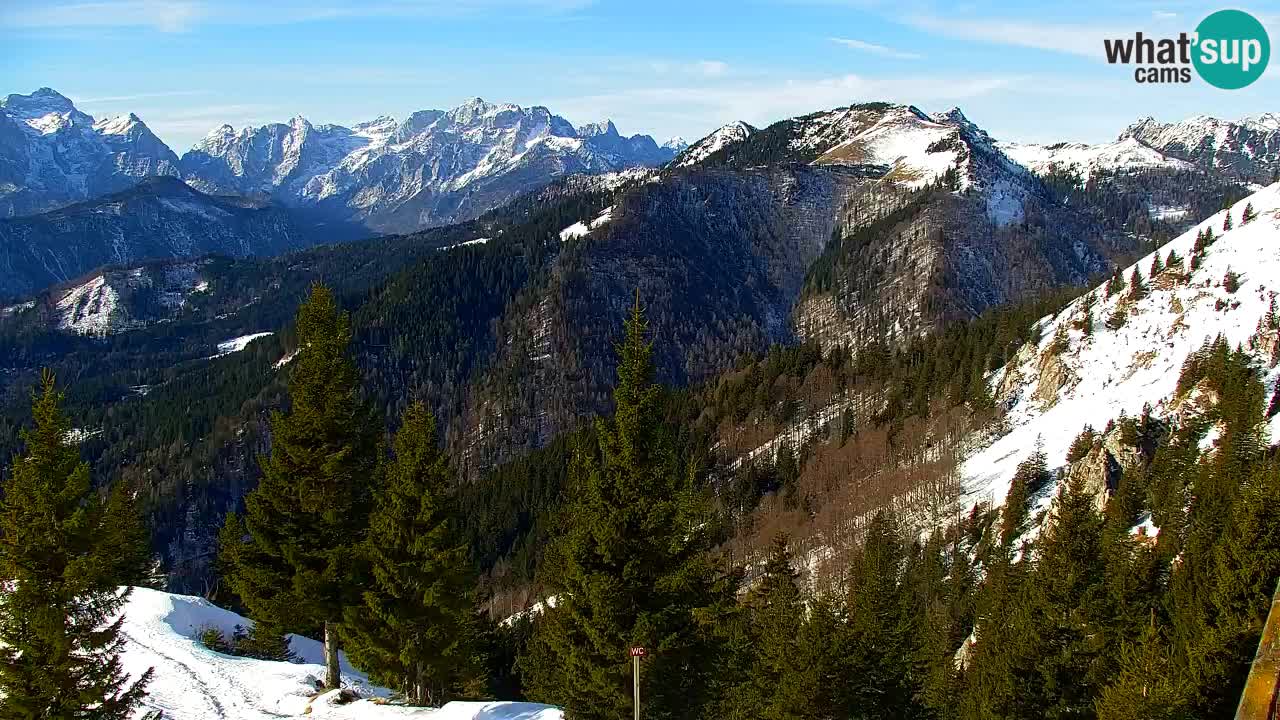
<point x="415" y="627"/>
<point x="1031" y="477"/>
<point x="1148" y="684"/>
<point x="630" y="565"/>
<point x="292" y="558"/>
<point x="880" y="647"/>
<point x="1070" y="594"/>
<point x="783" y="681"/>
<point x="64" y="552"/>
<point x="1137" y="287"/>
<point x="1248" y="215"/>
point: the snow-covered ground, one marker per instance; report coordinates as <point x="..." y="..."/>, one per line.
<point x="734" y="132"/>
<point x="89" y="309"/>
<point x="192" y="682"/>
<point x="236" y="344"/>
<point x="1119" y="371"/>
<point x="1125" y="154"/>
<point x="581" y="229"/>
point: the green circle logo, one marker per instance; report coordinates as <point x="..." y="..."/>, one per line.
<point x="1232" y="49"/>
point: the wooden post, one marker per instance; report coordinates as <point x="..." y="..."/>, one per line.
<point x="636" y="654"/>
<point x="332" y="673"/>
<point x="1262" y="688"/>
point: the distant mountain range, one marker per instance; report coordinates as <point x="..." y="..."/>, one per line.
<point x="327" y="183"/>
<point x="1246" y="150"/>
<point x="434" y="168"/>
<point x="160" y="217"/>
<point x="51" y="154"/>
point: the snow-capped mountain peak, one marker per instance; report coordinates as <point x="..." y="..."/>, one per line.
<point x="676" y="143"/>
<point x="723" y="136"/>
<point x="52" y="154"/>
<point x="597" y="129"/>
<point x="1266" y="121"/>
<point x="435" y="167"/>
<point x="44" y="111"/>
<point x="1086" y="160"/>
<point x="119" y="125"/>
<point x="1248" y="149"/>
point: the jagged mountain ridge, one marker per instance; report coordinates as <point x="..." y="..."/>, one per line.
<point x="434" y="168"/>
<point x="51" y="154"/>
<point x="1246" y="150"/>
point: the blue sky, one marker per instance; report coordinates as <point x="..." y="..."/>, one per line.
<point x="1024" y="72"/>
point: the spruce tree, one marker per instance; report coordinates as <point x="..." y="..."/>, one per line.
<point x="415" y="629"/>
<point x="1204" y="238"/>
<point x="1157" y="266"/>
<point x="783" y="680"/>
<point x="292" y="558"/>
<point x="629" y="565"/>
<point x="1114" y="284"/>
<point x="64" y="553"/>
<point x="1137" y="288"/>
<point x="879" y="650"/>
<point x="1082" y="445"/>
<point x="1147" y="685"/>
<point x="1031" y="477"/>
<point x="1248" y="215"/>
<point x="1226" y="221"/>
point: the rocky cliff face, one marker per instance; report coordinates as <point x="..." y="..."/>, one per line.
<point x="952" y="227"/>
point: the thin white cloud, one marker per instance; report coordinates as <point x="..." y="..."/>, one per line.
<point x="113" y="99"/>
<point x="679" y="68"/>
<point x="875" y="49"/>
<point x="183" y="15"/>
<point x="1164" y="15"/>
<point x="1083" y="40"/>
<point x="670" y="110"/>
<point x="162" y="15"/>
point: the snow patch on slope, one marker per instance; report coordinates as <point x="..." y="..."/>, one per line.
<point x="581" y="229"/>
<point x="236" y="344"/>
<point x="89" y="309"/>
